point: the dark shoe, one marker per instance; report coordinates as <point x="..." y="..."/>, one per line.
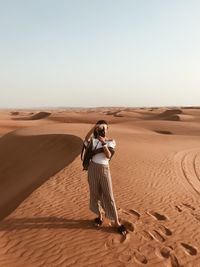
<point x="122" y="229"/>
<point x="98" y="222"/>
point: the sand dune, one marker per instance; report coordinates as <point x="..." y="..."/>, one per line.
<point x="156" y="180"/>
<point x="15" y="113"/>
<point x="171" y="115"/>
<point x="172" y="127"/>
<point x="37" y="116"/>
<point x="40" y="115"/>
<point x="28" y="161"/>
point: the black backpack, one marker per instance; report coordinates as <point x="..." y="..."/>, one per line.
<point x="86" y="155"/>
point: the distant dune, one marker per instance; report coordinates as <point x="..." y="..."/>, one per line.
<point x="171" y="115"/>
<point x="40" y="115"/>
<point x="37" y="116"/>
<point x="14" y="113"/>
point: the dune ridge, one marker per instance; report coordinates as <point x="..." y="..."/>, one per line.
<point x="31" y="116"/>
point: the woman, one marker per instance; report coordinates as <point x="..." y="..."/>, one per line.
<point x="99" y="177"/>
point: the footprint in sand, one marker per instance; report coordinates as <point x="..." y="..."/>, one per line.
<point x="190" y="250"/>
<point x="140" y="258"/>
<point x="114" y="241"/>
<point x="146" y="235"/>
<point x="157" y="216"/>
<point x="132" y="213"/>
<point x="157" y="236"/>
<point x="173" y="261"/>
<point x="167" y="253"/>
<point x="165" y="230"/>
<point x="195" y="215"/>
<point x="126" y="256"/>
<point x="129" y="256"/>
<point x="178" y="209"/>
<point x="188" y="206"/>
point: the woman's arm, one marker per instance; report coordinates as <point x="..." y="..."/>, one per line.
<point x="88" y="135"/>
<point x="106" y="152"/>
<point x="101" y="150"/>
<point x="105" y="147"/>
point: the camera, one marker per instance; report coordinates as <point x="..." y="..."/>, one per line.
<point x="100" y="131"/>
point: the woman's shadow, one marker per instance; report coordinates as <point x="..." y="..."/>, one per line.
<point x="49" y="223"/>
<point x="43" y="223"/>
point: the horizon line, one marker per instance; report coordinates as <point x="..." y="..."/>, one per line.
<point x="97" y="107"/>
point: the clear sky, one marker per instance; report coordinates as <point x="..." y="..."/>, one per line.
<point x="87" y="53"/>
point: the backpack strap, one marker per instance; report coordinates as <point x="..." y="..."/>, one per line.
<point x="82" y="151"/>
<point x="100" y="150"/>
<point x="84" y="148"/>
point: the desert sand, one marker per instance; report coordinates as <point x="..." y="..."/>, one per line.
<point x="44" y="196"/>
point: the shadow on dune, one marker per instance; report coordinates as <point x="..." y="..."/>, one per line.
<point x="114" y="113"/>
<point x="42" y="223"/>
<point x="37" y="116"/>
<point x="49" y="223"/>
<point x="169" y="115"/>
<point x="14" y="113"/>
<point x="28" y="161"/>
<point x="163" y="132"/>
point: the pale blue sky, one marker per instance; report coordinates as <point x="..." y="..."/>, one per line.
<point x="83" y="53"/>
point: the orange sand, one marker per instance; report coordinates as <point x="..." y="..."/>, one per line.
<point x="45" y="219"/>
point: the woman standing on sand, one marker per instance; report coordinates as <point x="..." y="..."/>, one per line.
<point x="99" y="177"/>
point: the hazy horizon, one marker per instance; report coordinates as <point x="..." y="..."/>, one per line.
<point x="99" y="53"/>
<point x="46" y="108"/>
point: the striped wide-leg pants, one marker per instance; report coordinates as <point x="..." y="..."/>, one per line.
<point x="101" y="193"/>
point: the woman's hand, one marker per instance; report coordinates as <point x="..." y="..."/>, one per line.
<point x="105" y="148"/>
<point x="102" y="139"/>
